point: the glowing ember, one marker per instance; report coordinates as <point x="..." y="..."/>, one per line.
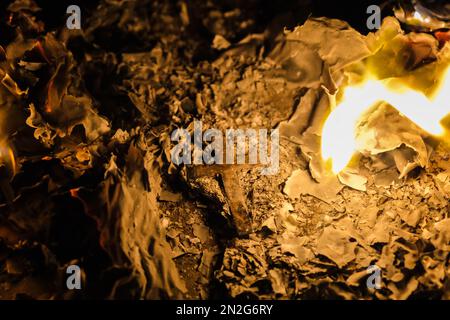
<point x="338" y="136"/>
<point x="7" y="157"/>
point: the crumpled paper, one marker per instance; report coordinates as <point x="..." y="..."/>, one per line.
<point x="382" y="134"/>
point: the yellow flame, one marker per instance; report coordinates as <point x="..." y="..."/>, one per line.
<point x="338" y="135"/>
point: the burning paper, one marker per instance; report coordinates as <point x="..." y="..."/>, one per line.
<point x="426" y="107"/>
<point x="339" y="133"/>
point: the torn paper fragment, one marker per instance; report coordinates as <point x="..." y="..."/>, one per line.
<point x="301" y="183"/>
